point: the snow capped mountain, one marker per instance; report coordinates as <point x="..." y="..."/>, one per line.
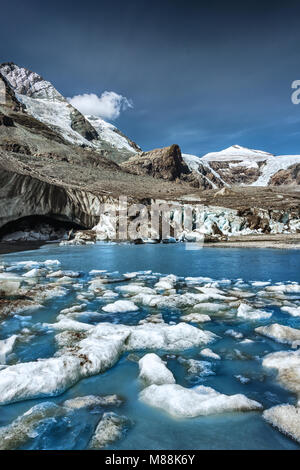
<point x="236" y="152"/>
<point x="235" y="165"/>
<point x="47" y="105"/>
<point x="238" y="165"/>
<point x="203" y="168"/>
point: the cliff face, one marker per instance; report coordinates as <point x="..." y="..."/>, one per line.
<point x="166" y="163"/>
<point x="24" y="196"/>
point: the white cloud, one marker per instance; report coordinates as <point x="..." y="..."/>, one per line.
<point x="107" y="106"/>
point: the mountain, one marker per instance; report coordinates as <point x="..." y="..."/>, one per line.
<point x="58" y="167"/>
<point x="48" y="169"/>
<point x="46" y="104"/>
<point x="238" y="165"/>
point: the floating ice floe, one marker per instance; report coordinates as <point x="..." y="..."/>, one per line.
<point x="6" y="347"/>
<point x="197" y="368"/>
<point x="135" y="289"/>
<point x="166" y="282"/>
<point x="91" y="401"/>
<point x="35" y="272"/>
<point x="286" y="418"/>
<point x="120" y="306"/>
<point x="61" y="274"/>
<point x="154" y="371"/>
<point x="235" y="334"/>
<point x="24" y="427"/>
<point x="294" y="311"/>
<point x="110" y="429"/>
<point x="287" y="364"/>
<point x="9" y="287"/>
<point x="211" y="307"/>
<point x="280" y="333"/>
<point x="198" y="280"/>
<point x="242" y="379"/>
<point x="182" y="402"/>
<point x="260" y="283"/>
<point x="249" y="313"/>
<point x="195" y="317"/>
<point x="284" y="288"/>
<point x="207" y="352"/>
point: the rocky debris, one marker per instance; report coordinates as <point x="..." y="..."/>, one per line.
<point x="6" y="120"/>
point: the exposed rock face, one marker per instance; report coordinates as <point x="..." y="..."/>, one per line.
<point x="7" y="96"/>
<point x="22" y="195"/>
<point x="166" y="163"/>
<point x="291" y="176"/>
<point x="82" y="126"/>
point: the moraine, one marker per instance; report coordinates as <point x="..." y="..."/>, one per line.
<point x="89" y="387"/>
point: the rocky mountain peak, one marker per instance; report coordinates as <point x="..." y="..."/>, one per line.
<point x="166" y="163"/>
<point x="42" y="101"/>
<point x="28" y="83"/>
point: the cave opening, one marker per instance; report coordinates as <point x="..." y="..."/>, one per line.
<point x="38" y="228"/>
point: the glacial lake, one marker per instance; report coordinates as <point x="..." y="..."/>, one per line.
<point x="152" y="428"/>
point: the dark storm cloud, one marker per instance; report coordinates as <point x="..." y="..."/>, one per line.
<point x="203" y="75"/>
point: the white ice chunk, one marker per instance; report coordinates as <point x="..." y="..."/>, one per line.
<point x="249" y="313"/>
<point x="286" y="418"/>
<point x="195" y="317"/>
<point x="182" y="402"/>
<point x="6" y="347"/>
<point x="154" y="371"/>
<point x="280" y="333"/>
<point x="207" y="352"/>
<point x="294" y="311"/>
<point x="120" y="306"/>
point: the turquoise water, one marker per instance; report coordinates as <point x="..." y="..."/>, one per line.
<point x="150" y="428"/>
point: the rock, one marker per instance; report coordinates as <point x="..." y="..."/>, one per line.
<point x="166" y="163"/>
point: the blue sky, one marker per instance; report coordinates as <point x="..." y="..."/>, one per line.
<point x="204" y="75"/>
